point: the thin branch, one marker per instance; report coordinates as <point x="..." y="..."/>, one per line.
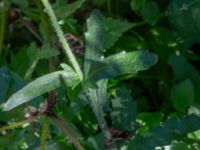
<point x="64" y="127"/>
<point x="17" y="124"/>
<point x="44" y="132"/>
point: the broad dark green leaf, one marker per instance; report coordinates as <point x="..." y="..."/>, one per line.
<point x="40" y="86"/>
<point x="189" y="72"/>
<point x="121" y="64"/>
<point x="182" y="95"/>
<point x="165" y="133"/>
<point x="10" y="82"/>
<point x="178" y="63"/>
<point x="4" y="82"/>
<point x="124" y="110"/>
<point x="149" y="119"/>
<point x="137" y="4"/>
<point x="184" y="16"/>
<point x="94" y="39"/>
<point x="114" y="29"/>
<point x="150" y="10"/>
<point x="163" y="42"/>
<point x="19" y="62"/>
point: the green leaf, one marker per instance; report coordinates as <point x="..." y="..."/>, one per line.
<point x="9" y="82"/>
<point x="4" y="82"/>
<point x="47" y="52"/>
<point x="150" y="10"/>
<point x="184" y="16"/>
<point x="32" y="51"/>
<point x="194" y="109"/>
<point x="182" y="95"/>
<point x="124" y="110"/>
<point x="40" y="86"/>
<point x="137" y="4"/>
<point x="165" y="133"/>
<point x="180" y="145"/>
<point x="95" y="98"/>
<point x="99" y="2"/>
<point x="149" y="119"/>
<point x="19" y="62"/>
<point x="95" y="142"/>
<point x="163" y="42"/>
<point x="64" y="11"/>
<point x="98" y="95"/>
<point x="189" y="72"/>
<point x="114" y="29"/>
<point x="94" y="39"/>
<point x="121" y="64"/>
<point x="66" y="67"/>
<point x="35" y="54"/>
<point x="178" y="63"/>
<point x="102" y="92"/>
<point x="21" y="3"/>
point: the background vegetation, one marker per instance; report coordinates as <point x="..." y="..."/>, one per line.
<point x="136" y="84"/>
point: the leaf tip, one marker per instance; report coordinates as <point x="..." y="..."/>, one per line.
<point x="5" y="107"/>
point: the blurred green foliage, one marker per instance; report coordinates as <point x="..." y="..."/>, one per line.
<point x="141" y="64"/>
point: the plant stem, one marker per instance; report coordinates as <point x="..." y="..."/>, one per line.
<point x="98" y="111"/>
<point x="17" y="124"/>
<point x="62" y="39"/>
<point x="44" y="132"/>
<point x="67" y="131"/>
<point x="109" y="7"/>
<point x="2" y="30"/>
<point x="117" y="7"/>
<point x="35" y="34"/>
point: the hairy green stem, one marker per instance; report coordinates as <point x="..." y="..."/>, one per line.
<point x="98" y="111"/>
<point x="64" y="127"/>
<point x="2" y="29"/>
<point x="62" y="38"/>
<point x="44" y="133"/>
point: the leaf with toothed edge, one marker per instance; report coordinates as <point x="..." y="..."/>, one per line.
<point x="121" y="64"/>
<point x="40" y="86"/>
<point x="114" y="29"/>
<point x="94" y="39"/>
<point x="165" y="133"/>
<point x="64" y="11"/>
